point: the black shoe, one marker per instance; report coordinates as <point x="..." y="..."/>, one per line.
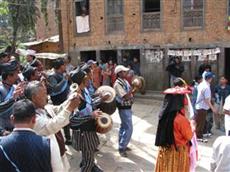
<point x="68" y="142"/>
<point x="96" y="169"/>
<point x="128" y="149"/>
<point x="123" y="153"/>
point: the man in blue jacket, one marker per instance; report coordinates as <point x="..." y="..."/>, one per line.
<point x="23" y="150"/>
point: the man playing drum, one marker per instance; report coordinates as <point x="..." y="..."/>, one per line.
<point x="124" y="99"/>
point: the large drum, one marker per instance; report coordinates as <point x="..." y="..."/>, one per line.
<point x="108" y="108"/>
<point x="104" y="123"/>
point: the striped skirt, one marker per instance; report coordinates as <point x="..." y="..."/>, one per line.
<point x="85" y="140"/>
<point x="172" y="160"/>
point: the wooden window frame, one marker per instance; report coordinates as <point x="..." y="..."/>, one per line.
<point x="187" y="28"/>
<point x="142" y="18"/>
<point x="75" y="22"/>
<point x="106" y="19"/>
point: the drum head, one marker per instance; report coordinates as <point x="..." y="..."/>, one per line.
<point x="107" y="90"/>
<point x="104" y="123"/>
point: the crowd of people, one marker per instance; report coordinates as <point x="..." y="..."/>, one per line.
<point x="186" y="120"/>
<point x="35" y="105"/>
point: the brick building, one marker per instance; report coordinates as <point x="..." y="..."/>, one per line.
<point x="151" y="30"/>
<point x="46" y="30"/>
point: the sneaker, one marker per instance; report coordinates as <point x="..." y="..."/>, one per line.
<point x="68" y="142"/>
<point x="123" y="153"/>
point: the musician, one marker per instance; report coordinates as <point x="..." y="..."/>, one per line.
<point x="50" y="119"/>
<point x="31" y="74"/>
<point x="83" y="123"/>
<point x="9" y="93"/>
<point x="124" y="99"/>
<point x="90" y="89"/>
<point x="59" y="89"/>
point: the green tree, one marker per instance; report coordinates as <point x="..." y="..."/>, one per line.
<point x="20" y="16"/>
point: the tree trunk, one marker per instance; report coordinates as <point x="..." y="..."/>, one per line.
<point x="59" y="17"/>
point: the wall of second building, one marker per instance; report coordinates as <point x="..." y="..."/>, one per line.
<point x="171" y="32"/>
<point x="171" y="35"/>
<point x="44" y="31"/>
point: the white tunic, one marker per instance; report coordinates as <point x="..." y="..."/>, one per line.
<point x="221" y="155"/>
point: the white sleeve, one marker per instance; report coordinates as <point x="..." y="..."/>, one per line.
<point x="56" y="161"/>
<point x="227" y="104"/>
<point x="46" y="126"/>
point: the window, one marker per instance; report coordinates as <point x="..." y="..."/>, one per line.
<point x="193" y="13"/>
<point x="82" y="16"/>
<point x="115" y="18"/>
<point x="151" y="14"/>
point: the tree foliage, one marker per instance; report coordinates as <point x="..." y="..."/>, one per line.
<point x="20" y="17"/>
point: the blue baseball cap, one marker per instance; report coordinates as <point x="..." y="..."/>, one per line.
<point x="209" y="75"/>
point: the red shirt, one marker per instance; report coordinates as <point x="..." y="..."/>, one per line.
<point x="182" y="130"/>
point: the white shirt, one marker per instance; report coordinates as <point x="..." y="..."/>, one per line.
<point x="221" y="155"/>
<point x="204" y="92"/>
<point x="55" y="163"/>
<point x="227" y="117"/>
<point x="46" y="126"/>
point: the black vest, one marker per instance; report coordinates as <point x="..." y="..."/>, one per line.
<point x="27" y="151"/>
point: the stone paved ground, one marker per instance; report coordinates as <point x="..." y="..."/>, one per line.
<point x="144" y="153"/>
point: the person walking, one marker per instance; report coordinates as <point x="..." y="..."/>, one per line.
<point x="174" y="133"/>
<point x="83" y="123"/>
<point x="124" y="99"/>
<point x="203" y="104"/>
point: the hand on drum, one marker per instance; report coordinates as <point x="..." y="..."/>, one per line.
<point x="96" y="113"/>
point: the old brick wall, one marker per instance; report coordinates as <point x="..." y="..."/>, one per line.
<point x="171" y="33"/>
<point x="44" y="31"/>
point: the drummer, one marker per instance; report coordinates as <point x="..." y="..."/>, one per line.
<point x="83" y="123"/>
<point x="124" y="101"/>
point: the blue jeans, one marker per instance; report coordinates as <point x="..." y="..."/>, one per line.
<point x="126" y="128"/>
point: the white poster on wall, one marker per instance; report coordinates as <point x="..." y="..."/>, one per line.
<point x="153" y="56"/>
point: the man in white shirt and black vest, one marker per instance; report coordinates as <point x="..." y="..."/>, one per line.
<point x="124" y="99"/>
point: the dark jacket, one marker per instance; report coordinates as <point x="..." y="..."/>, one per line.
<point x="25" y="151"/>
<point x="175" y="69"/>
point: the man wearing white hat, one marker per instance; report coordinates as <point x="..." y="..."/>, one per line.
<point x="124" y="99"/>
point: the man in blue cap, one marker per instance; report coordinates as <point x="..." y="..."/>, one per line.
<point x="8" y="94"/>
<point x="203" y="104"/>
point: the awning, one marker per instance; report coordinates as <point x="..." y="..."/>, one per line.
<point x="51" y="56"/>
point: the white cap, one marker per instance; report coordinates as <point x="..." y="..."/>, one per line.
<point x="31" y="52"/>
<point x="120" y="68"/>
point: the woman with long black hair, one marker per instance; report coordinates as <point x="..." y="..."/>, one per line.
<point x="173" y="133"/>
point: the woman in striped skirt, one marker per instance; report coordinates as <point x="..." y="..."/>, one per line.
<point x="173" y="135"/>
<point x="83" y="123"/>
